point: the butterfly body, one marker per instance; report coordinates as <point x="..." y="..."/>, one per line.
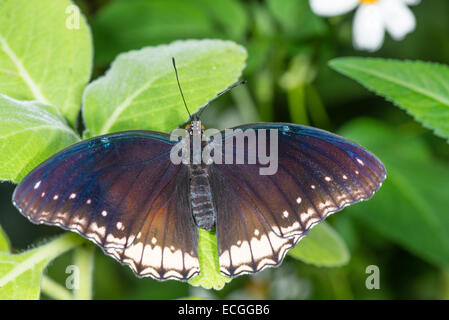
<point x="123" y="192"/>
<point x="201" y="200"/>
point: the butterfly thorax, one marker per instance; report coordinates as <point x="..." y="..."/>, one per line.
<point x="200" y="194"/>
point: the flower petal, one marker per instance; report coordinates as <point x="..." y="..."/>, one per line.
<point x="398" y="18"/>
<point x="412" y="2"/>
<point x="329" y="8"/>
<point x="368" y="29"/>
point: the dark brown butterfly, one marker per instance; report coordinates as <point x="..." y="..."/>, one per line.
<point x="123" y="192"/>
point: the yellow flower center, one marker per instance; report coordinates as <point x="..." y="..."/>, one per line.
<point x="368" y="1"/>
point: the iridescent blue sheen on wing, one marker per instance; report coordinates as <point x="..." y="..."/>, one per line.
<point x="122" y="192"/>
<point x="260" y="217"/>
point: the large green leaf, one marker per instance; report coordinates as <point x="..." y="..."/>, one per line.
<point x="20" y="274"/>
<point x="41" y="56"/>
<point x="140" y="90"/>
<point x="420" y="88"/>
<point x="30" y="132"/>
<point x="323" y="247"/>
<point x="125" y="25"/>
<point x="210" y="276"/>
<point x="411" y="207"/>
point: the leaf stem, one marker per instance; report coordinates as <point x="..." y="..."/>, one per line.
<point x="84" y="259"/>
<point x="48" y="252"/>
<point x="54" y="290"/>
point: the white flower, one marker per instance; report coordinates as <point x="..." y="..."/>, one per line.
<point x="371" y="19"/>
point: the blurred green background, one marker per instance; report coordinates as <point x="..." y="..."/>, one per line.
<point x="289" y="80"/>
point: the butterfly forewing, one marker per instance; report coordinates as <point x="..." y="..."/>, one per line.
<point x="166" y="245"/>
<point x="318" y="173"/>
<point x="108" y="189"/>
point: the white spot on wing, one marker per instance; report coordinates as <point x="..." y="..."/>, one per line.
<point x="37" y="184"/>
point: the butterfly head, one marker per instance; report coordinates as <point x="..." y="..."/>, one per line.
<point x="195" y="128"/>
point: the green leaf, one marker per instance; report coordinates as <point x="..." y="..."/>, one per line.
<point x="411" y="207"/>
<point x="30" y="132"/>
<point x="228" y="16"/>
<point x="210" y="276"/>
<point x="4" y="242"/>
<point x="125" y="25"/>
<point x="323" y="247"/>
<point x="296" y="18"/>
<point x="20" y="274"/>
<point x="41" y="58"/>
<point x="420" y="88"/>
<point x="140" y="89"/>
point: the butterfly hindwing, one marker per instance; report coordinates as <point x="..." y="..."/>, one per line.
<point x="246" y="242"/>
<point x="318" y="173"/>
<point x="105" y="189"/>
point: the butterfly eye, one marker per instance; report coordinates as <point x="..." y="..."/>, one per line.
<point x="203" y="127"/>
<point x="187" y="126"/>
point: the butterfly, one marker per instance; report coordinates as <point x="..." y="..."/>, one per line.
<point x="123" y="192"/>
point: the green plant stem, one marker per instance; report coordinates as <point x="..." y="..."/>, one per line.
<point x="340" y="285"/>
<point x="48" y="251"/>
<point x="316" y="108"/>
<point x="54" y="290"/>
<point x="294" y="82"/>
<point x="445" y="284"/>
<point x="210" y="276"/>
<point x="264" y="90"/>
<point x="84" y="260"/>
<point x="297" y="105"/>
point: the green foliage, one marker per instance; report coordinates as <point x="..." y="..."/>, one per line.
<point x="30" y="132"/>
<point x="20" y="274"/>
<point x="296" y="18"/>
<point x="5" y="246"/>
<point x="140" y="89"/>
<point x="41" y="58"/>
<point x="322" y="247"/>
<point x="210" y="276"/>
<point x="411" y="207"/>
<point x="163" y="21"/>
<point x="421" y="88"/>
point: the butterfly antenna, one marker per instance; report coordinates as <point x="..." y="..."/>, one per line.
<point x="237" y="84"/>
<point x="179" y="86"/>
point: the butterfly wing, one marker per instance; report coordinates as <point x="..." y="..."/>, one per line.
<point x="122" y="192"/>
<point x="260" y="217"/>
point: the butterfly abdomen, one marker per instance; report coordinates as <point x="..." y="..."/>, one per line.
<point x="201" y="201"/>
